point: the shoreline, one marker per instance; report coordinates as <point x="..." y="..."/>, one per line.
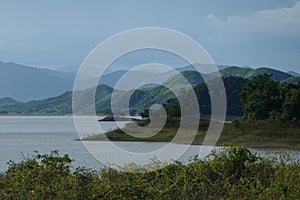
<point x="46" y="115"/>
<point x="231" y="136"/>
<point x="260" y="135"/>
<point x="258" y="147"/>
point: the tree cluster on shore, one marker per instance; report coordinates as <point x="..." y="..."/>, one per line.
<point x="266" y="99"/>
<point x="259" y="98"/>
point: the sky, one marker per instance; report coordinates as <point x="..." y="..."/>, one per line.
<point x="61" y="33"/>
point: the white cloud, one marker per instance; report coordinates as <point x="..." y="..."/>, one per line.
<point x="276" y="22"/>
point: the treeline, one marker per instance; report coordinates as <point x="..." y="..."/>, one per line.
<point x="233" y="87"/>
<point x="260" y="98"/>
<point x="266" y="99"/>
<point x="234" y="173"/>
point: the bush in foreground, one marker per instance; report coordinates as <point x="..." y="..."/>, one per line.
<point x="234" y="173"/>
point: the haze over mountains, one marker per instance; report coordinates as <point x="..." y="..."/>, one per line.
<point x="34" y="83"/>
<point x="23" y="83"/>
<point x="26" y="83"/>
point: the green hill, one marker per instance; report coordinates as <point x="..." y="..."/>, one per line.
<point x="61" y="104"/>
<point x="140" y="99"/>
<point x="233" y="86"/>
<point x="193" y="77"/>
<point x="143" y="98"/>
<point x="6" y="101"/>
<point x="293" y="80"/>
<point x="249" y="73"/>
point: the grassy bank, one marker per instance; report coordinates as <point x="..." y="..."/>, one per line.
<point x="249" y="134"/>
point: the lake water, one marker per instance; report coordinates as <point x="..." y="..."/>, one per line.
<point x="21" y="135"/>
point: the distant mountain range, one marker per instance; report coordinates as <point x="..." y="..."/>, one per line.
<point x="22" y="83"/>
<point x="234" y="78"/>
<point x="25" y="83"/>
<point x="249" y="73"/>
<point x="141" y="99"/>
<point x="293" y="73"/>
<point x="7" y="101"/>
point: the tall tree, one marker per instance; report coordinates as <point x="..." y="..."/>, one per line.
<point x="291" y="104"/>
<point x="261" y="97"/>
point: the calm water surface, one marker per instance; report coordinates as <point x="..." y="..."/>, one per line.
<point x="21" y="135"/>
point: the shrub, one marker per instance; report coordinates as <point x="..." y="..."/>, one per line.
<point x="234" y="173"/>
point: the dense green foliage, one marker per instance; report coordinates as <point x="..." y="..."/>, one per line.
<point x="291" y="102"/>
<point x="293" y="80"/>
<point x="260" y="97"/>
<point x="193" y="77"/>
<point x="142" y="99"/>
<point x="234" y="173"/>
<point x="233" y="87"/>
<point x="264" y="98"/>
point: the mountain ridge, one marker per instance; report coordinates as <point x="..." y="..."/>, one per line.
<point x="142" y="97"/>
<point x="293" y="73"/>
<point x="23" y="83"/>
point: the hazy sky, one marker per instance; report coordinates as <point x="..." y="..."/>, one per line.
<point x="58" y="33"/>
